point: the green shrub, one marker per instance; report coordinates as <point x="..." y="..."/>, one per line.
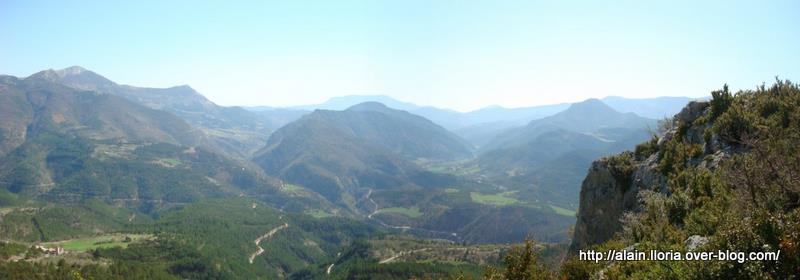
<point x="522" y="263"/>
<point x="720" y="101"/>
<point x="646" y="149"/>
<point x="622" y="167"/>
<point x="748" y="203"/>
<point x="737" y="124"/>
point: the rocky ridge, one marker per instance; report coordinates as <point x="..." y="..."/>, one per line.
<point x="608" y="194"/>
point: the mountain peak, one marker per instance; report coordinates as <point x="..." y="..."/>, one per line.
<point x="591" y="105"/>
<point x="591" y="101"/>
<point x="343" y="102"/>
<point x="369" y="106"/>
<point x="183" y="88"/>
<point x="71" y="71"/>
<point x="76" y="77"/>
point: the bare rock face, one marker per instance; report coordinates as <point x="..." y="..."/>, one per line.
<point x="647" y="177"/>
<point x="691" y="112"/>
<point x="695" y="241"/>
<point x="604" y="199"/>
<point x="602" y="204"/>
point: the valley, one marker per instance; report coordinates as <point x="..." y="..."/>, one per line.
<point x="237" y="177"/>
<point x="410" y="213"/>
<point x="399" y="140"/>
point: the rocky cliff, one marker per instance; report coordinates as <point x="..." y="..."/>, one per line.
<point x="724" y="176"/>
<point x="613" y="185"/>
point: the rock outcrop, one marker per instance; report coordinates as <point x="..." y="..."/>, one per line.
<point x="605" y="198"/>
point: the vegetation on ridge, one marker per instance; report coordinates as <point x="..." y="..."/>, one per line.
<point x="733" y="176"/>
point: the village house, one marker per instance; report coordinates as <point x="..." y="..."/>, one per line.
<point x="51" y="251"/>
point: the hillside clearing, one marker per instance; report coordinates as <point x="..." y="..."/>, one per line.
<point x="499" y="199"/>
<point x="104" y="241"/>
<point x="412" y="212"/>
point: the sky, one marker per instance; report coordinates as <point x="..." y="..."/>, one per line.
<point x="462" y="55"/>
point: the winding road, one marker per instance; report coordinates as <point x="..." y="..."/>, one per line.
<point x="265" y="236"/>
<point x="403" y="253"/>
<point x="330" y="267"/>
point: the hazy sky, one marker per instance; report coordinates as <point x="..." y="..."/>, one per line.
<point x="454" y="54"/>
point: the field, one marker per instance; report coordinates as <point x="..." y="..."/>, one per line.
<point x="563" y="211"/>
<point x="291" y="188"/>
<point x="499" y="199"/>
<point x="169" y="162"/>
<point x="7" y="199"/>
<point x="104" y="241"/>
<point x="172" y="161"/>
<point x="459" y="167"/>
<point x="319" y="214"/>
<point x="412" y="212"/>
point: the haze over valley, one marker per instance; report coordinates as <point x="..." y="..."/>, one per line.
<point x="72" y="136"/>
<point x="494" y="140"/>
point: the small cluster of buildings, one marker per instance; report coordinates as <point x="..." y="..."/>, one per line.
<point x="57" y="251"/>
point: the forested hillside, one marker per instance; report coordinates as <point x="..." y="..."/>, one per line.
<point x="210" y="239"/>
<point x="232" y="130"/>
<point x="340" y="154"/>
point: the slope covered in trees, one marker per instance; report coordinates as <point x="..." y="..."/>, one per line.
<point x="337" y="153"/>
<point x="235" y="131"/>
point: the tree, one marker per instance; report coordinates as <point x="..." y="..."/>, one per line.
<point x="522" y="263"/>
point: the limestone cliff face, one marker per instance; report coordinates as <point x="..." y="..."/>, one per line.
<point x="605" y="198"/>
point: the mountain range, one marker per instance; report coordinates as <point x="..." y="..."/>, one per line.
<point x="96" y="157"/>
<point x="62" y="144"/>
<point x="233" y="130"/>
<point x="480" y="126"/>
<point x="335" y="152"/>
<point x="241" y="131"/>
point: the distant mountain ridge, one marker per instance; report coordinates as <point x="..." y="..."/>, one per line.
<point x="226" y="123"/>
<point x="479" y="126"/>
<point x="35" y="104"/>
<point x="590" y="116"/>
<point x="367" y="145"/>
<point x="551" y="153"/>
<point x="234" y="130"/>
<point x="653" y="108"/>
<point x="340" y="103"/>
<point x="447" y="118"/>
<point x="65" y="145"/>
